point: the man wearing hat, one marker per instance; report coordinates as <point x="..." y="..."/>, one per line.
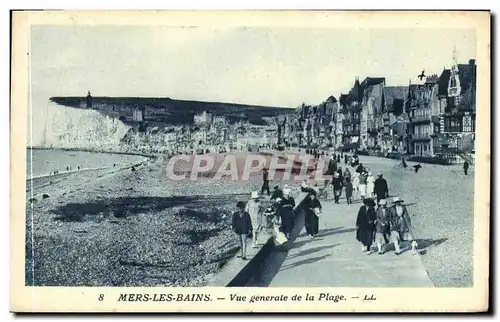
<point x="287" y="212"/>
<point x="400" y="226"/>
<point x="337" y="186"/>
<point x="332" y="166"/>
<point x="277" y="193"/>
<point x="254" y="209"/>
<point x="381" y="190"/>
<point x="382" y="225"/>
<point x="265" y="181"/>
<point x="242" y="226"/>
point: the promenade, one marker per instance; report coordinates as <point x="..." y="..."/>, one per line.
<point x="334" y="258"/>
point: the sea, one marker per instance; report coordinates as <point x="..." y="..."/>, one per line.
<point x="42" y="162"/>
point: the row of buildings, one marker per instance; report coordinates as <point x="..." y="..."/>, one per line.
<point x="207" y="132"/>
<point x="432" y="118"/>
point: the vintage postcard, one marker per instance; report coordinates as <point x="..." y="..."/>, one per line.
<point x="237" y="161"/>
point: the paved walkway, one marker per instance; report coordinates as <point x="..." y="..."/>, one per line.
<point x="334" y="258"/>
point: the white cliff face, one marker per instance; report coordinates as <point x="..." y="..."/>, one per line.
<point x="58" y="126"/>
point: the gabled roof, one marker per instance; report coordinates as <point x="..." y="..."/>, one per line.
<point x="467" y="75"/>
<point x="443" y="82"/>
<point x="344" y="99"/>
<point x="356" y="93"/>
<point x="394" y="92"/>
<point x="331" y="99"/>
<point x="370" y="81"/>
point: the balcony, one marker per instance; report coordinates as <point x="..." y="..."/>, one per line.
<point x="421" y="119"/>
<point x="372" y="127"/>
<point x="420" y="136"/>
<point x="352" y="133"/>
<point x="452" y="129"/>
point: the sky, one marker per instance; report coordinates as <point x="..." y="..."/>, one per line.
<point x="272" y="67"/>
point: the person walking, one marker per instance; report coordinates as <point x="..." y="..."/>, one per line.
<point x="381" y="189"/>
<point x="254" y="209"/>
<point x="337" y="187"/>
<point x="332" y="166"/>
<point x="341" y="174"/>
<point x="355" y="181"/>
<point x="370" y="184"/>
<point x="277" y="193"/>
<point x="466" y="167"/>
<point x="360" y="168"/>
<point x="270" y="214"/>
<point x="347" y="174"/>
<point x="363" y="176"/>
<point x="365" y="224"/>
<point x="265" y="181"/>
<point x="313" y="210"/>
<point x="400" y="226"/>
<point x="348" y="190"/>
<point x="273" y="213"/>
<point x="242" y="226"/>
<point x="403" y="163"/>
<point x="382" y="225"/>
<point x="287" y="212"/>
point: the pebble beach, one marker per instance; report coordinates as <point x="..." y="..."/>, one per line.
<point x="124" y="227"/>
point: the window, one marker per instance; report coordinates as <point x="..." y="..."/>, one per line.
<point x="453" y="82"/>
<point x="467" y="124"/>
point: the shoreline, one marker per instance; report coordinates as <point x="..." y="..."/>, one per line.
<point x="152" y="156"/>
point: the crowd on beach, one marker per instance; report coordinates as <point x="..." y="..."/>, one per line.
<point x="378" y="223"/>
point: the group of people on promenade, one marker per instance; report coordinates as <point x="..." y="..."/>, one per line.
<point x="377" y="224"/>
<point x="381" y="225"/>
<point x="251" y="218"/>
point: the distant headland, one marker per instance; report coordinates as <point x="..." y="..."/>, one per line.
<point x="171" y="111"/>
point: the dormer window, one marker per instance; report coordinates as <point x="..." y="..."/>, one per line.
<point x="453" y="82"/>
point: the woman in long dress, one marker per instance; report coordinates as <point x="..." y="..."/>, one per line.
<point x="254" y="209"/>
<point x="355" y="181"/>
<point x="400" y="226"/>
<point x="313" y="210"/>
<point x="363" y="178"/>
<point x="365" y="225"/>
<point x="370" y="185"/>
<point x="287" y="213"/>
